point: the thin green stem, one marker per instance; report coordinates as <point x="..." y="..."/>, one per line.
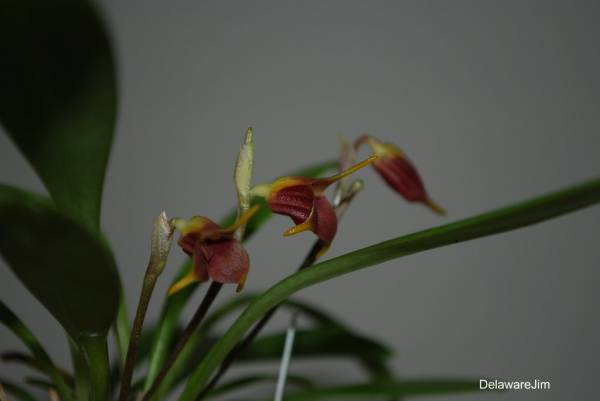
<point x="147" y="288"/>
<point x="122" y="329"/>
<point x="95" y="352"/>
<point x="192" y="326"/>
<point x="81" y="375"/>
<point x="162" y="234"/>
<point x="509" y="218"/>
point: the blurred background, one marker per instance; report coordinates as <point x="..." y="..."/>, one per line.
<point x="493" y="101"/>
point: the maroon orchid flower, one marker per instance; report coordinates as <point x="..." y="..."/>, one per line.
<point x="215" y="253"/>
<point x="303" y="200"/>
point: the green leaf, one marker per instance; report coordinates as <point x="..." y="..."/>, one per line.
<point x="39" y="383"/>
<point x="41" y="357"/>
<point x="509" y="218"/>
<point x="174" y="305"/>
<point x="387" y="388"/>
<point x="66" y="267"/>
<point x="329" y="338"/>
<point x="318" y="342"/>
<point x="16" y="391"/>
<point x="241" y="382"/>
<point x="36" y="364"/>
<point x="58" y="97"/>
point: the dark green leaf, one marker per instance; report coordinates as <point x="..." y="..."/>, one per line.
<point x="39" y="383"/>
<point x="387" y="388"/>
<point x="36" y="364"/>
<point x="40" y="356"/>
<point x="329" y="338"/>
<point x="58" y="97"/>
<point x="16" y="391"/>
<point x="509" y="218"/>
<point x="174" y="305"/>
<point x="318" y="342"/>
<point x="239" y="383"/>
<point x="66" y="267"/>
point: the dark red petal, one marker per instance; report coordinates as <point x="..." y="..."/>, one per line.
<point x="295" y="202"/>
<point x="187" y="242"/>
<point x="324" y="219"/>
<point x="402" y="176"/>
<point x="200" y="262"/>
<point x="228" y="261"/>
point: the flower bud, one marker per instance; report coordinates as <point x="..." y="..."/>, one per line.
<point x="398" y="172"/>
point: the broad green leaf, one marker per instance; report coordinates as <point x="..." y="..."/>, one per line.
<point x="58" y="97"/>
<point x="66" y="267"/>
<point x="16" y="391"/>
<point x="508" y="218"/>
<point x="245" y="381"/>
<point x="174" y="305"/>
<point x="40" y="356"/>
<point x="388" y="388"/>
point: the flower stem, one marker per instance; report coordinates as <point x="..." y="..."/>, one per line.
<point x="134" y="339"/>
<point x="162" y="234"/>
<point x="208" y="299"/>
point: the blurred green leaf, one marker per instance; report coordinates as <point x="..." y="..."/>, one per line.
<point x="58" y="97"/>
<point x="329" y="338"/>
<point x="508" y="218"/>
<point x="41" y="357"/>
<point x="16" y="391"/>
<point x="174" y="305"/>
<point x="39" y="383"/>
<point x="388" y="388"/>
<point x="245" y="381"/>
<point x="36" y="364"/>
<point x="66" y="267"/>
<point x="318" y="342"/>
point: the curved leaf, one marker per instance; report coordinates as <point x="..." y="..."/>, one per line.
<point x="174" y="305"/>
<point x="40" y="356"/>
<point x="40" y="383"/>
<point x="67" y="268"/>
<point x="322" y="341"/>
<point x="37" y="365"/>
<point x="241" y="382"/>
<point x="58" y="97"/>
<point x="388" y="388"/>
<point x="509" y="218"/>
<point x="329" y="338"/>
<point x="17" y="391"/>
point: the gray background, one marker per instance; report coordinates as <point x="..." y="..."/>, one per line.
<point x="494" y="102"/>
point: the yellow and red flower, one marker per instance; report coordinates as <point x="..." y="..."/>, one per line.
<point x="398" y="171"/>
<point x="215" y="253"/>
<point x="303" y="200"/>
